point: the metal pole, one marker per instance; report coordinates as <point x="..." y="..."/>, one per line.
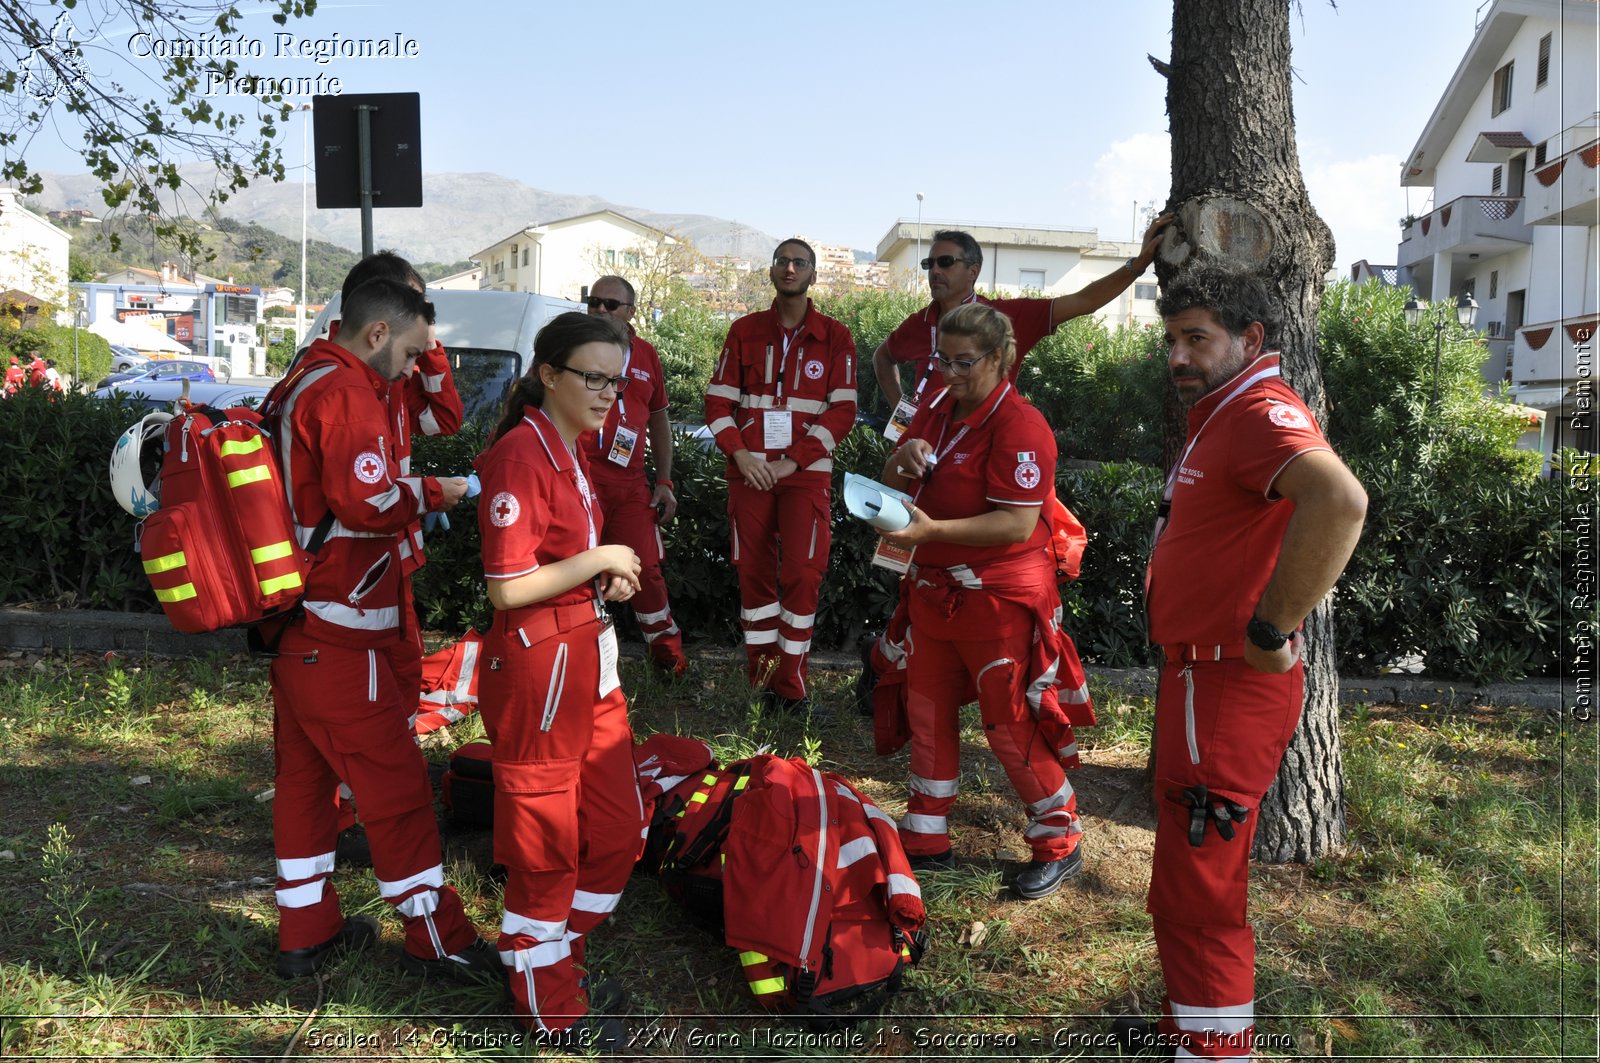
<point x="305" y="181"/>
<point x="364" y="140"/>
<point x="1438" y="346"/>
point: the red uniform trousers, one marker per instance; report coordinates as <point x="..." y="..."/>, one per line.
<point x="405" y="659"/>
<point x="945" y="661"/>
<point x="631" y="521"/>
<point x="339" y="715"/>
<point x="780" y="548"/>
<point x="568" y="822"/>
<point x="1224" y="725"/>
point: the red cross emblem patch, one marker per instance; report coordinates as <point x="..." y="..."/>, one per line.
<point x="368" y="467"/>
<point x="504" y="509"/>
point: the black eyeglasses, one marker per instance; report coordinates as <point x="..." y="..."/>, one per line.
<point x="958" y="366"/>
<point x="596" y="303"/>
<point x="798" y="263"/>
<point x="943" y="261"/>
<point x="597" y="381"/>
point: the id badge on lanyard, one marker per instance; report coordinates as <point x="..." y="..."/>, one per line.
<point x="606" y="637"/>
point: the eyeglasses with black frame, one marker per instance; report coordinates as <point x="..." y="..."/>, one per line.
<point x="597" y="381"/>
<point x="784" y="262"/>
<point x="943" y="261"/>
<point x="958" y="366"/>
<point x="596" y="303"/>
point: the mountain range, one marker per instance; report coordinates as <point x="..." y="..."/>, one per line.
<point x="462" y="213"/>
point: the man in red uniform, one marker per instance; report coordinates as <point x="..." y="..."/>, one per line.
<point x="16" y="376"/>
<point x="633" y="509"/>
<point x="953" y="264"/>
<point x="783" y="394"/>
<point x="1259" y="518"/>
<point x="339" y="711"/>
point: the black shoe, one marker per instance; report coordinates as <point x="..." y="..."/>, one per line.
<point x="1043" y="877"/>
<point x="1138" y="1036"/>
<point x="357" y="934"/>
<point x="352" y="848"/>
<point x="478" y="962"/>
<point x="592" y="1032"/>
<point x="606" y="995"/>
<point x="867" y="681"/>
<point x="922" y="864"/>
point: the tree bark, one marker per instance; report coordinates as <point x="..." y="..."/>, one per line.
<point x="1241" y="203"/>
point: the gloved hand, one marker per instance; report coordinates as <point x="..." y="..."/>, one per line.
<point x="440" y="521"/>
<point x="474" y="486"/>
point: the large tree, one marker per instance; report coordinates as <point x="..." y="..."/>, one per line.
<point x="1241" y="202"/>
<point x="139" y="80"/>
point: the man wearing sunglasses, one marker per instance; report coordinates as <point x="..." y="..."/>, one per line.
<point x="783" y="394"/>
<point x="633" y="509"/>
<point x="953" y="264"/>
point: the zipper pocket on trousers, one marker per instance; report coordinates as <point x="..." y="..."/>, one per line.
<point x="552" y="697"/>
<point x="372" y="675"/>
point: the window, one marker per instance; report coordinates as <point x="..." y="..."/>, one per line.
<point x="1541" y="153"/>
<point x="1145" y="291"/>
<point x="1031" y="278"/>
<point x="1501" y="99"/>
<point x="524" y="256"/>
<point x="1494" y="283"/>
<point x="1497" y="181"/>
<point x="631" y="259"/>
<point x="1544" y="62"/>
<point x="611" y="258"/>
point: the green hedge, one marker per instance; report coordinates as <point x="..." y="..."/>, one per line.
<point x="1460" y="561"/>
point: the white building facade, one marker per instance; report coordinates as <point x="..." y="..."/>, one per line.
<point x="1511" y="154"/>
<point x="1023" y="260"/>
<point x="33" y="252"/>
<point x="560" y="258"/>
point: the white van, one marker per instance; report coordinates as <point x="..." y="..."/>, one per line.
<point x="489" y="336"/>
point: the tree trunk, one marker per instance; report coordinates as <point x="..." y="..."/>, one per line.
<point x="1241" y="203"/>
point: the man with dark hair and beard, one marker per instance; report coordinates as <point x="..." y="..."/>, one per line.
<point x="782" y="396"/>
<point x="1257" y="521"/>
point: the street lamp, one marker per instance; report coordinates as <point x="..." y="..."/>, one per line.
<point x="79" y="320"/>
<point x="1466" y="311"/>
<point x="919" y="230"/>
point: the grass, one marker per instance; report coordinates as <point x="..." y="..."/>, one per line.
<point x="136" y="909"/>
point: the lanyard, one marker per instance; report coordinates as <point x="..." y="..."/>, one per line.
<point x="938" y="455"/>
<point x="933" y="348"/>
<point x="787" y="336"/>
<point x="621" y="409"/>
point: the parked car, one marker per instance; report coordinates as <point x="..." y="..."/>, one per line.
<point x="148" y="395"/>
<point x="489" y="336"/>
<point x="126" y="359"/>
<point x="163" y="370"/>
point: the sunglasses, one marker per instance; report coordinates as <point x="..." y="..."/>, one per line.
<point x="610" y="305"/>
<point x="958" y="366"/>
<point x="597" y="381"/>
<point x="943" y="261"/>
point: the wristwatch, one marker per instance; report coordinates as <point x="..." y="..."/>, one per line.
<point x="1132" y="266"/>
<point x="1264" y="636"/>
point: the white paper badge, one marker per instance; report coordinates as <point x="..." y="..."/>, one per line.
<point x="623" y="440"/>
<point x="608" y="659"/>
<point x="777" y="430"/>
<point x="899" y="420"/>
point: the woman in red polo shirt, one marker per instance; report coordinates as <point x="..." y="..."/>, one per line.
<point x="980" y="463"/>
<point x="568" y="819"/>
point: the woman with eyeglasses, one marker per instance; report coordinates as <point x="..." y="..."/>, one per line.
<point x="980" y="464"/>
<point x="567" y="816"/>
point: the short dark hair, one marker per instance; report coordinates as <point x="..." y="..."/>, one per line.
<point x="795" y="240"/>
<point x="1237" y="299"/>
<point x="381" y="299"/>
<point x="384" y="264"/>
<point x="971" y="253"/>
<point x="554" y="344"/>
<point x="632" y="296"/>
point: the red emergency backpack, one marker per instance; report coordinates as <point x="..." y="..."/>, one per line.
<point x="221" y="549"/>
<point x="806" y="878"/>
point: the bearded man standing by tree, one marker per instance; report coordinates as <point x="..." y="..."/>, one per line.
<point x="1257" y="521"/>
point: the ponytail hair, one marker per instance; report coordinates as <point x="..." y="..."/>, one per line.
<point x="553" y="345"/>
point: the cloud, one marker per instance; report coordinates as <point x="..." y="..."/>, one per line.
<point x="1136" y="170"/>
<point x="1362" y="202"/>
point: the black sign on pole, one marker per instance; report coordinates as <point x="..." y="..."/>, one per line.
<point x="368" y="152"/>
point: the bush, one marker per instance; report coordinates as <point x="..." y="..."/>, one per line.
<point x="56" y="341"/>
<point x="689" y="338"/>
<point x="1100" y="390"/>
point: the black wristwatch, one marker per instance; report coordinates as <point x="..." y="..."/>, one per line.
<point x="1263" y="635"/>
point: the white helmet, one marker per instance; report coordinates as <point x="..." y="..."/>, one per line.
<point x="127" y="460"/>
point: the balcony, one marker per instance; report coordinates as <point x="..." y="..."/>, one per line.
<point x="1471" y="226"/>
<point x="1565" y="191"/>
<point x="1550" y="352"/>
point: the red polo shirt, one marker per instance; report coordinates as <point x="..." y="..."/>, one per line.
<point x="1226" y="524"/>
<point x="914" y="338"/>
<point x="1002" y="453"/>
<point x="537" y="507"/>
<point x="646" y="394"/>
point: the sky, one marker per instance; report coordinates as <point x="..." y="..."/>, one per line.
<point x="828" y="118"/>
